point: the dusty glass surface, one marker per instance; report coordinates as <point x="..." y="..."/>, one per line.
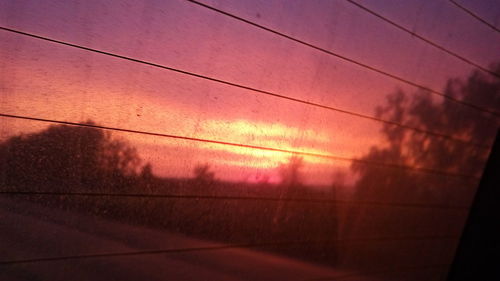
<point x="242" y="140"/>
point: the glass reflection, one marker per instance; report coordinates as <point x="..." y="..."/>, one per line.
<point x="321" y="169"/>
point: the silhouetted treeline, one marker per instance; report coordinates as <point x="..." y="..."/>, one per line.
<point x="67" y="158"/>
<point x="84" y="159"/>
<point x="410" y="148"/>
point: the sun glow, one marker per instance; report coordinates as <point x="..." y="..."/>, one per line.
<point x="266" y="135"/>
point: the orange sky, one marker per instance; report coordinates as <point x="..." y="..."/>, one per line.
<point x="46" y="80"/>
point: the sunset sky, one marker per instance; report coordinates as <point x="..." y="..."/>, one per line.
<point x="47" y="80"/>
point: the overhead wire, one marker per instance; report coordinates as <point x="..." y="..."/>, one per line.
<point x="353" y="61"/>
<point x="230" y="197"/>
<point x="474" y="15"/>
<point x="141" y="253"/>
<point x="268" y="93"/>
<point x="428" y="41"/>
<point x="293" y="152"/>
<point x="248" y="245"/>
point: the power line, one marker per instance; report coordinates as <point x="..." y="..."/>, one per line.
<point x="215" y="248"/>
<point x="243" y="198"/>
<point x="141" y="253"/>
<point x="327" y="156"/>
<point x="396" y="77"/>
<point x="392" y="123"/>
<point x="474" y="15"/>
<point x="400" y="27"/>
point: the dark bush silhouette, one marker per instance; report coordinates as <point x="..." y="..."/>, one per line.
<point x="203" y="175"/>
<point x="67" y="158"/>
<point x="71" y="159"/>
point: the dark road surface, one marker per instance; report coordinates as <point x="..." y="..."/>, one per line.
<point x="30" y="231"/>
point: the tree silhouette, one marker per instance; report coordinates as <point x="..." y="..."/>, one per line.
<point x="203" y="175"/>
<point x="65" y="157"/>
<point x="147" y="172"/>
<point x="411" y="148"/>
<point x="290" y="172"/>
<point x="290" y="185"/>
